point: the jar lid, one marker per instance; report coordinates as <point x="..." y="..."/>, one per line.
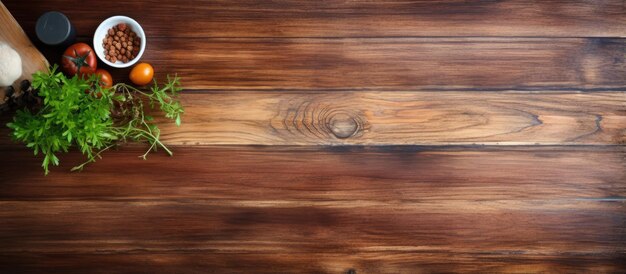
<point x="53" y="28"/>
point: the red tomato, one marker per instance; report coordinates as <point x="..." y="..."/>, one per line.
<point x="106" y="81"/>
<point x="79" y="59"/>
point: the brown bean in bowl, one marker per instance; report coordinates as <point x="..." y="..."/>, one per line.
<point x="121" y="43"/>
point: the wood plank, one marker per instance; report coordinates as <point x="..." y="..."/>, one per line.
<point x="370" y="262"/>
<point x="427" y="118"/>
<point x="317" y="174"/>
<point x="387" y="209"/>
<point x="579" y="227"/>
<point x="572" y="230"/>
<point x="388" y="64"/>
<point x="302" y="18"/>
<point x="393" y="118"/>
<point x="428" y="64"/>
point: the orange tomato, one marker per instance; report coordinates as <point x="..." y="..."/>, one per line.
<point x="142" y="74"/>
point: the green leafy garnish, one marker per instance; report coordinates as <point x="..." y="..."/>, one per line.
<point x="79" y="112"/>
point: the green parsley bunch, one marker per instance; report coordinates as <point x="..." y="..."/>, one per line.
<point x="79" y="112"/>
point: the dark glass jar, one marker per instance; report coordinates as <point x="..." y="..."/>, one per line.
<point x="55" y="29"/>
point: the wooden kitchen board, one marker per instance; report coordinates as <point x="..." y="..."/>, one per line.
<point x="12" y="34"/>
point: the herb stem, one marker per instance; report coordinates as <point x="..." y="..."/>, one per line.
<point x="92" y="158"/>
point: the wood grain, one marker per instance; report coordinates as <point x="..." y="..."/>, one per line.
<point x="392" y="118"/>
<point x="302" y="18"/>
<point x="194" y="228"/>
<point x="283" y="262"/>
<point x="308" y="173"/>
<point x="387" y="64"/>
<point x="385" y="209"/>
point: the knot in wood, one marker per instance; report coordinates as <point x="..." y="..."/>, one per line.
<point x="343" y="125"/>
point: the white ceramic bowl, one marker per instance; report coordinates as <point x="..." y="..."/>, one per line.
<point x="102" y="30"/>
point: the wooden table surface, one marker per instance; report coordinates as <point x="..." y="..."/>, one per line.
<point x="346" y="137"/>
